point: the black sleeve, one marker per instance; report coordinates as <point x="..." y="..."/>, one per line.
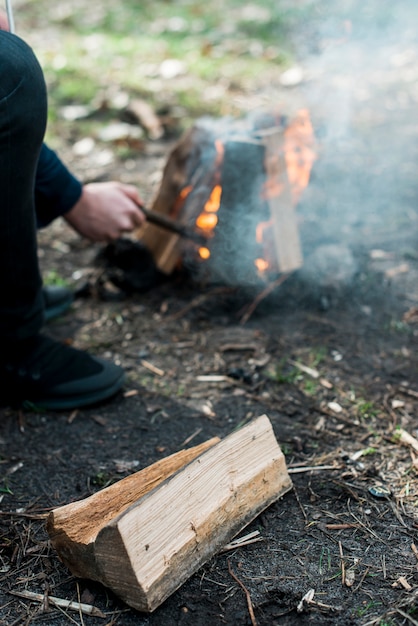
<point x="56" y="189"/>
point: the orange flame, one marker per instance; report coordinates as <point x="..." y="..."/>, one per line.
<point x="299" y="153"/>
<point x="214" y="202"/>
<point x="204" y="253"/>
<point x="206" y="221"/>
<point x="261" y="264"/>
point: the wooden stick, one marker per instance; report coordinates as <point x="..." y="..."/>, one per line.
<point x="159" y="219"/>
<point x="263" y="294"/>
<point x="70" y="605"/>
<point x="247" y="595"/>
<point x="340" y="545"/>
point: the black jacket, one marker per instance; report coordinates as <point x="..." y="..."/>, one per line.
<point x="56" y="189"/>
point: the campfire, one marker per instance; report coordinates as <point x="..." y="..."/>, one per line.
<point x="225" y="208"/>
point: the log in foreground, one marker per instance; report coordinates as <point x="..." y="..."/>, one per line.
<point x="144" y="536"/>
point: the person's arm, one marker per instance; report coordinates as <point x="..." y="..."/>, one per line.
<point x="56" y="189"/>
<point x="97" y="211"/>
<point x="106" y="211"/>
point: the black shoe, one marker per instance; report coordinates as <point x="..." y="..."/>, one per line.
<point x="57" y="300"/>
<point x="42" y="373"/>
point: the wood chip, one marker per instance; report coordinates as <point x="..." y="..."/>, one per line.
<point x="326" y="383"/>
<point x="72" y="416"/>
<point x="350" y="577"/>
<point x="335" y="407"/>
<point x="304" y="368"/>
<point x="408" y="440"/>
<point x="99" y="420"/>
<point x="131" y="393"/>
<point x="152" y="368"/>
<point x="403" y="583"/>
<point x="307" y="598"/>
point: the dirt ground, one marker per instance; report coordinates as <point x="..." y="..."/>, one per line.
<point x="330" y="357"/>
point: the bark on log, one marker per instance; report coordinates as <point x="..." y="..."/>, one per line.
<point x="146" y="535"/>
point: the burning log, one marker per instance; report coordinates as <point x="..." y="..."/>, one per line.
<point x="146" y="535"/>
<point x="237" y="183"/>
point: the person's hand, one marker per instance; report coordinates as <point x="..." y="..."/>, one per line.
<point x="105" y="211"/>
<point x="4" y="22"/>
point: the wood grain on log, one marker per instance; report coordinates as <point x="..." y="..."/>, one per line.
<point x="145" y="551"/>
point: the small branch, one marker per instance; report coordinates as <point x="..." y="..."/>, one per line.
<point x="247" y="594"/>
<point x="201" y="299"/>
<point x="263" y="294"/>
<point x="408" y="617"/>
<point x="79" y="608"/>
<point x="70" y="605"/>
<point x="342" y="563"/>
<point x="243" y="541"/>
<point x="152" y="368"/>
<point x="408" y="440"/>
<point x="300" y="504"/>
<point x="164" y="221"/>
<point x="312" y="468"/>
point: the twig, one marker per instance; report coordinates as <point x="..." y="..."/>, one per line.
<point x="152" y="368"/>
<point x="342" y="563"/>
<point x="408" y="440"/>
<point x="198" y="301"/>
<point x="191" y="437"/>
<point x="406" y="616"/>
<point x="408" y="392"/>
<point x="79" y="608"/>
<point x="87" y="609"/>
<point x="369" y="530"/>
<point x="247" y="594"/>
<point x="263" y="294"/>
<point x="300" y="504"/>
<point x="243" y="541"/>
<point x="304" y="368"/>
<point x="361" y="580"/>
<point x="311" y="468"/>
<point x="340" y="526"/>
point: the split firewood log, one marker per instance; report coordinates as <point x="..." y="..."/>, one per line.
<point x="146" y="535"/>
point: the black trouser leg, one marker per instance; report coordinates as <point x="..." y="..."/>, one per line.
<point x="23" y="111"/>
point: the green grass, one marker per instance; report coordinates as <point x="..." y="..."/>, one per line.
<point x="104" y="46"/>
<point x="52" y="278"/>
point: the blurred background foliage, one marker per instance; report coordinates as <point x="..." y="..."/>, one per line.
<point x="194" y="55"/>
<point x="185" y="58"/>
